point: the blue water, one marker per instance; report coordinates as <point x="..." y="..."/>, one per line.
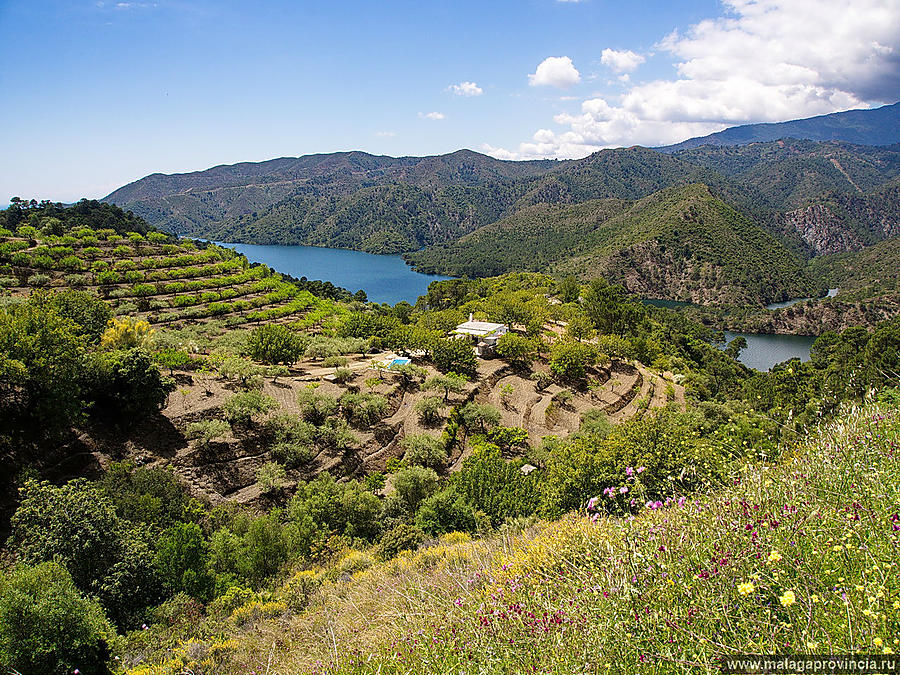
<point x="384" y="278"/>
<point x="764" y="351"/>
<point x="787" y="303"/>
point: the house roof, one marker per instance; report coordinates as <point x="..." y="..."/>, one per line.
<point x="480" y="328"/>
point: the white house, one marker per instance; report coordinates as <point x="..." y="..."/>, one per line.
<point x="487" y="334"/>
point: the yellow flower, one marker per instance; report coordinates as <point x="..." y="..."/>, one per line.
<point x="774" y="556"/>
<point x="812" y="645"/>
<point x="877" y="642"/>
<point x="816" y="598"/>
<point x="746" y="588"/>
<point x="887" y="650"/>
<point x="788" y="598"/>
<point x="838" y="548"/>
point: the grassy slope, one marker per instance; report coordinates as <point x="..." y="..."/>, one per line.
<point x="816" y="535"/>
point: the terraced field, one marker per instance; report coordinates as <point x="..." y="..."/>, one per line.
<point x="158" y="278"/>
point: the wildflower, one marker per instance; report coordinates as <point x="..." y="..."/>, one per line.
<point x="591" y="503"/>
<point x="746" y="588"/>
<point x="887" y="650"/>
<point x="629" y="471"/>
<point x="788" y="598"/>
<point x="623" y="490"/>
<point x="896" y="604"/>
<point x="774" y="556"/>
<point x="877" y="642"/>
<point x="812" y="645"/>
<point x="641" y="469"/>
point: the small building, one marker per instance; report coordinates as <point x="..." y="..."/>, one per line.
<point x="485" y="332"/>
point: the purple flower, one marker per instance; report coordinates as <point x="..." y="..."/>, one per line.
<point x="623" y="490"/>
<point x="641" y="469"/>
<point x="629" y="471"/>
<point x="591" y="503"/>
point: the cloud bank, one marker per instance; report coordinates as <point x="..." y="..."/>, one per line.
<point x="762" y="61"/>
<point x="555" y="71"/>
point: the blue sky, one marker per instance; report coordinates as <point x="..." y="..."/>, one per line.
<point x="97" y="94"/>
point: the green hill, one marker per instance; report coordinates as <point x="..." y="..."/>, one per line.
<point x="682" y="243"/>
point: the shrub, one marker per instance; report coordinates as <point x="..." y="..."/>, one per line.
<point x="299" y="589"/>
<point x="403" y="537"/>
<point x="125" y="385"/>
<point x="126" y="333"/>
<point x="247" y="374"/>
<point x="47" y="626"/>
<point x="410" y="374"/>
<point x="107" y="277"/>
<point x="242" y="407"/>
<point x="334" y="361"/>
<point x="429" y="409"/>
<point x="269" y="477"/>
<point x="425" y="450"/>
<point x="413" y="484"/>
<point x="363" y="410"/>
<point x="316" y="407"/>
<point x="206" y="431"/>
<point x="38" y="280"/>
<point x="343" y="375"/>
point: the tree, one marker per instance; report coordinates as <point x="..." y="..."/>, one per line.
<point x="519" y="350"/>
<point x="315" y="407"/>
<point x="90" y="314"/>
<point x="570" y="360"/>
<point x="425" y="450"/>
<point x="112" y="560"/>
<point x="269" y="477"/>
<point x="41" y="357"/>
<point x="569" y="289"/>
<point x="735" y="347"/>
<point x="410" y="374"/>
<point x="455" y="355"/>
<point x="481" y="415"/>
<point x="446" y="511"/>
<point x="182" y="557"/>
<point x="429" y="409"/>
<point x="579" y="327"/>
<point x="451" y="382"/>
<point x="494" y="486"/>
<point x="276" y="344"/>
<point x="48" y="626"/>
<point x="413" y="484"/>
<point x="125" y="385"/>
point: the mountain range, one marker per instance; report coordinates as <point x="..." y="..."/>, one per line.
<point x="725" y="219"/>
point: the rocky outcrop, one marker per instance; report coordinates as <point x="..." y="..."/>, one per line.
<point x="822" y="229"/>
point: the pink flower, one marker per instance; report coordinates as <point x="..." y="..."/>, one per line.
<point x="591" y="503"/>
<point x="641" y="469"/>
<point x="623" y="490"/>
<point x="629" y="471"/>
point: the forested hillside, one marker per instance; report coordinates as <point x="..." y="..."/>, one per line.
<point x="678" y="244"/>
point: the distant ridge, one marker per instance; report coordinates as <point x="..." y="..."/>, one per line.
<point x="879" y="126"/>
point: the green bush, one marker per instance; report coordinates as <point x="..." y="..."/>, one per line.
<point x="48" y="627"/>
<point x="446" y="511"/>
<point x="429" y="409"/>
<point x="182" y="557"/>
<point x="38" y="280"/>
<point x="570" y="360"/>
<point x="425" y="450"/>
<point x="125" y="385"/>
<point x="206" y="431"/>
<point x="316" y="407"/>
<point x="242" y="407"/>
<point x="363" y="410"/>
<point x="413" y="484"/>
<point x="403" y="537"/>
<point x="269" y="477"/>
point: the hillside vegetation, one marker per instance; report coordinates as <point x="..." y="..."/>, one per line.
<point x="214" y="496"/>
<point x="797" y="557"/>
<point x="679" y="244"/>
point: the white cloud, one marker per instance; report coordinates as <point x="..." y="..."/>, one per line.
<point x="621" y="61"/>
<point x="763" y="61"/>
<point x="555" y="71"/>
<point x="432" y="116"/>
<point x="466" y="89"/>
<point x="386" y="134"/>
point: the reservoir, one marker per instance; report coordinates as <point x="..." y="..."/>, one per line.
<point x="384" y="278"/>
<point x="764" y="351"/>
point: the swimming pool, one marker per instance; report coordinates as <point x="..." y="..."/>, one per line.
<point x="400" y="362"/>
